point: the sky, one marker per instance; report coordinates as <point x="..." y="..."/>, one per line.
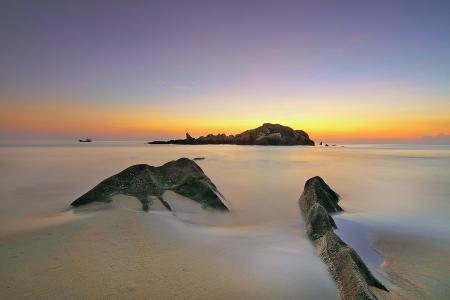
<point x="340" y="70"/>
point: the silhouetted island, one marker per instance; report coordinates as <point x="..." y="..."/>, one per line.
<point x="267" y="134"/>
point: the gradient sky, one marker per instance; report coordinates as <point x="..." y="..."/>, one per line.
<point x="341" y="70"/>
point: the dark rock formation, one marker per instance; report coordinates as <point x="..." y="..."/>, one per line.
<point x="189" y="137"/>
<point x="267" y="134"/>
<point x="145" y="182"/>
<point x="347" y="269"/>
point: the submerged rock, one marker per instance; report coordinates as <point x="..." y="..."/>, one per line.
<point x="267" y="134"/>
<point x="347" y="269"/>
<point x="145" y="182"/>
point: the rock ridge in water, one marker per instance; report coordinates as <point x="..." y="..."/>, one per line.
<point x="267" y="134"/>
<point x="347" y="269"/>
<point x="145" y="182"/>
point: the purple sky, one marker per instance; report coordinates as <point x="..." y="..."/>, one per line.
<point x="213" y="56"/>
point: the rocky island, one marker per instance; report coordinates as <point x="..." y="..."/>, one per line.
<point x="267" y="134"/>
<point x="148" y="183"/>
<point x="347" y="269"/>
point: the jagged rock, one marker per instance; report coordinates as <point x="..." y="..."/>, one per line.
<point x="145" y="182"/>
<point x="347" y="269"/>
<point x="316" y="190"/>
<point x="267" y="134"/>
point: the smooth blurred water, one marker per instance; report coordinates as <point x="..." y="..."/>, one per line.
<point x="399" y="185"/>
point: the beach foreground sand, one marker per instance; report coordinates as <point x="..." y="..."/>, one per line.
<point x="117" y="251"/>
<point x="418" y="267"/>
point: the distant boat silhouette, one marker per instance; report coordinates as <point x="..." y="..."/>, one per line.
<point x="87" y="140"/>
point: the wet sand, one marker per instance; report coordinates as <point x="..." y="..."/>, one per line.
<point x="411" y="266"/>
<point x="116" y="251"/>
<point x="418" y="267"/>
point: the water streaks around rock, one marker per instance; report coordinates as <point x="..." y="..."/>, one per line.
<point x="347" y="269"/>
<point x="183" y="176"/>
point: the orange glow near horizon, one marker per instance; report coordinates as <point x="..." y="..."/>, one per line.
<point x="122" y="122"/>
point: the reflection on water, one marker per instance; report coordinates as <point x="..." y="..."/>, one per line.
<point x="383" y="187"/>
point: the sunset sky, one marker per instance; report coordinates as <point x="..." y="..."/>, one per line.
<point x="340" y="70"/>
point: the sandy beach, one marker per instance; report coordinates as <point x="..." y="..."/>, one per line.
<point x="418" y="266"/>
<point x="116" y="251"/>
<point x="119" y="252"/>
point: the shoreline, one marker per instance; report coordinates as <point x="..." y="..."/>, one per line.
<point x="396" y="250"/>
<point x="406" y="262"/>
<point x="123" y="252"/>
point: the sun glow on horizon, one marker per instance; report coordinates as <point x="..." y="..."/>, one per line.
<point x="63" y="119"/>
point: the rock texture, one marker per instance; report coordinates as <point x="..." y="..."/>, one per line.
<point x="267" y="134"/>
<point x="351" y="275"/>
<point x="146" y="183"/>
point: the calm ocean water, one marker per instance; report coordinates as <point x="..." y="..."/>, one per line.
<point x="405" y="187"/>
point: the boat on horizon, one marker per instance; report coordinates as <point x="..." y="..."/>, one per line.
<point x="86" y="140"/>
